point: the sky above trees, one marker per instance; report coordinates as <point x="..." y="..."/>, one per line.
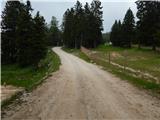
<point x="112" y="9"/>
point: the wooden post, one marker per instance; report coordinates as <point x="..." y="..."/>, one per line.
<point x="125" y="59"/>
<point x="109" y="55"/>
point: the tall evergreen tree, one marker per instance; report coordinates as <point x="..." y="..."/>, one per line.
<point x="25" y="33"/>
<point x="69" y="28"/>
<point x="116" y="34"/>
<point x="54" y="33"/>
<point x="83" y="26"/>
<point x="87" y="38"/>
<point x="38" y="43"/>
<point x="22" y="36"/>
<point x="9" y="31"/>
<point x="78" y="22"/>
<point x="147" y="25"/>
<point x="113" y="34"/>
<point x="97" y="20"/>
<point x="128" y="27"/>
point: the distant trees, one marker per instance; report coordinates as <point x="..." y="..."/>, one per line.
<point x="22" y="36"/>
<point x="54" y="34"/>
<point x="146" y="30"/>
<point x="106" y="38"/>
<point x="83" y="26"/>
<point x="148" y="23"/>
<point x="122" y="33"/>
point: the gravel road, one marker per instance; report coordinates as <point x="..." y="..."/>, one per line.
<point x="80" y="91"/>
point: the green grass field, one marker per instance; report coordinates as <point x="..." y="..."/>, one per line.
<point x="28" y="77"/>
<point x="144" y="60"/>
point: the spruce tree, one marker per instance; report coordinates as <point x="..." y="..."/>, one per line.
<point x="97" y="22"/>
<point x="128" y="27"/>
<point x="54" y="33"/>
<point x="88" y="38"/>
<point x="25" y="33"/>
<point x="114" y="34"/>
<point x="69" y="28"/>
<point x="83" y="26"/>
<point x="78" y="22"/>
<point x="117" y="35"/>
<point x="38" y="44"/>
<point x="147" y="25"/>
<point x="9" y="31"/>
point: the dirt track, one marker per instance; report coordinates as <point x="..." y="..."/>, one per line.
<point x="81" y="90"/>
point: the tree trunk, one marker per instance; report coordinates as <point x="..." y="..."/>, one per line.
<point x="154" y="45"/>
<point x="139" y="44"/>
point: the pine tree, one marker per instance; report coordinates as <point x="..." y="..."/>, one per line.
<point x="69" y="28"/>
<point x="38" y="43"/>
<point x="25" y="33"/>
<point x="78" y="18"/>
<point x="97" y="22"/>
<point x="9" y="31"/>
<point x="22" y="36"/>
<point x="147" y="25"/>
<point x="114" y="34"/>
<point x="54" y="33"/>
<point x="87" y="38"/>
<point x="83" y="26"/>
<point x="128" y="27"/>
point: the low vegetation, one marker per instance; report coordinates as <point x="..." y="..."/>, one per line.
<point x="28" y="77"/>
<point x="144" y="60"/>
<point x="78" y="53"/>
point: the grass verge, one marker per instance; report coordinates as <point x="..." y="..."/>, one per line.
<point x="77" y="53"/>
<point x="127" y="75"/>
<point x="29" y="77"/>
<point x="144" y="59"/>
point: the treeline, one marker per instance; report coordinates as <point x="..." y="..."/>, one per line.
<point x="145" y="32"/>
<point x="83" y="25"/>
<point x="23" y="36"/>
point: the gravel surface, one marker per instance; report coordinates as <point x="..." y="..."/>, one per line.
<point x="81" y="90"/>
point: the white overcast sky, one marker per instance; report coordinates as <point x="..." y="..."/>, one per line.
<point x="112" y="9"/>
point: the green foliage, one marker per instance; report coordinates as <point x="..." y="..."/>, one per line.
<point x="54" y="34"/>
<point x="38" y="46"/>
<point x="9" y="24"/>
<point x="106" y="37"/>
<point x="122" y="34"/>
<point x="29" y="76"/>
<point x="128" y="29"/>
<point x="22" y="36"/>
<point x="148" y="23"/>
<point x="83" y="26"/>
<point x="116" y="34"/>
